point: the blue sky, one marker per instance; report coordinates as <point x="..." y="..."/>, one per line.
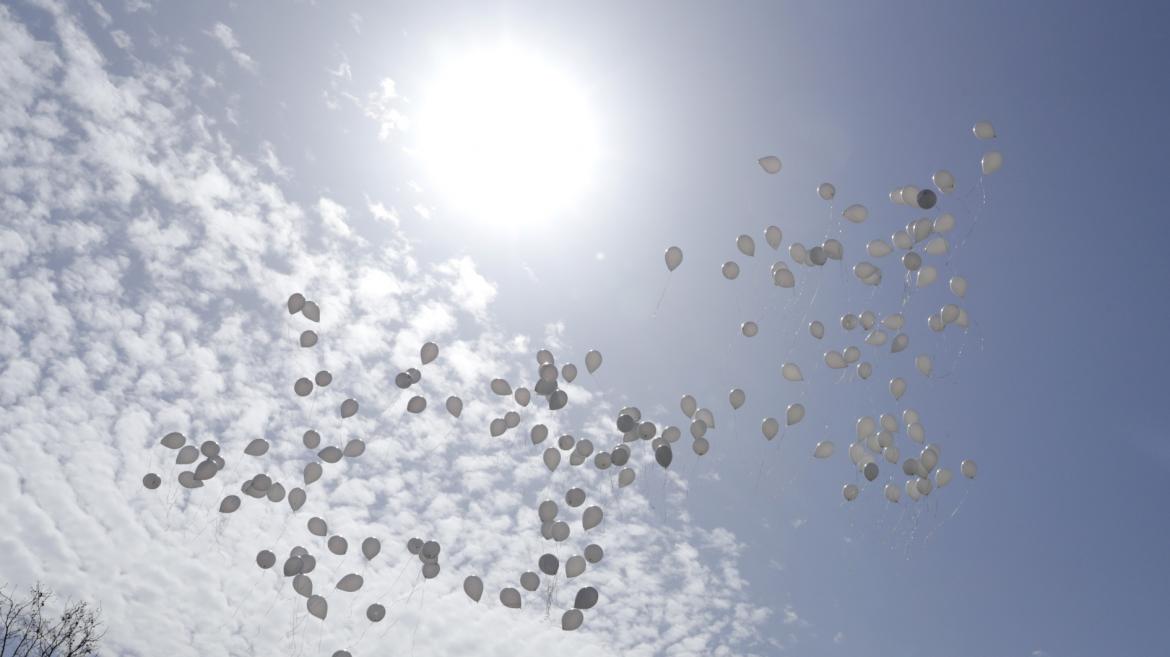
<point x="1055" y="549"/>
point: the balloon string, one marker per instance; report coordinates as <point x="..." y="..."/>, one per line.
<point x="662" y="296"/>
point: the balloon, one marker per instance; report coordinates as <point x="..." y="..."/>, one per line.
<point x="878" y="248"/>
<point x="891" y="454"/>
<point x="893" y="493"/>
<point x="416" y="404"/>
<point x="403" y="380"/>
<point x="992" y="162"/>
<point x="850" y="491"/>
<point x="942" y="477"/>
<point x="737" y="398"/>
<point x="730" y="270"/>
<point x="834" y="249"/>
<point x="798" y="253"/>
<point x="428" y="352"/>
<point x="958" y="286"/>
<point x="472" y="586"/>
<point x="626" y="477"/>
<point x="296" y="499"/>
<point x="674" y="258"/>
<point x="916" y="432"/>
<point x="701" y="446"/>
<point x="794" y="414"/>
<point x="876" y="338"/>
<point x="927" y="275"/>
<point x="784" y="278"/>
<point x="983" y="130"/>
<point x="414" y="545"/>
<point x="910" y="195"/>
<point x="552" y="458"/>
<point x="151" y="481"/>
<point x="870" y="471"/>
<point x="295" y="303"/>
<point x="746" y="245"/>
<point x="510" y="598"/>
<point x="816" y="329"/>
<point x="206" y="470"/>
<point x="574" y="566"/>
<point x="620" y="455"/>
<point x="935" y="322"/>
<point x="539" y="433"/>
<point x="350" y="583"/>
<point x="549" y="564"/>
<point x="663" y="455"/>
<point x="511" y="419"/>
<point x="688" y="405"/>
<point x="303" y="387"/>
<point x="349" y="408"/>
<point x="773" y="235"/>
<point x="323" y="378"/>
<point x="749" y="329"/>
<point x="944" y="181"/>
<point x="924" y="364"/>
<point x="566" y="442"/>
<point x="173" y="440"/>
<point x="924" y="486"/>
<point x="864" y="370"/>
<point x="864" y="270"/>
<point x="826" y="191"/>
<point x="377" y="612"/>
<point x="529" y="581"/>
<point x="969" y="469"/>
<point x="370" y="548"/>
<point x="330" y="454"/>
<point x="706" y="416"/>
<point x="770" y="427"/>
<point x="312" y="472"/>
<point x="926" y="199"/>
<point x="912" y="490"/>
<point x="311" y="311"/>
<point x="592" y="515"/>
<point x="501" y="387"/>
<point x="229" y="504"/>
<point x="337" y="545"/>
<point x="791" y="372"/>
<point x="897" y="387"/>
<point x="851" y="354"/>
<point x="856" y="213"/>
<point x="902" y="240"/>
<point x="912" y="261"/>
<point x="770" y="164"/>
<point x="292" y="566"/>
<point x="593" y="361"/>
<point x="817" y="256"/>
<point x="572" y="620"/>
<point x="430" y="570"/>
<point x="824" y="449"/>
<point x="962" y="321"/>
<point x="265" y="559"/>
<point x="834" y="360"/>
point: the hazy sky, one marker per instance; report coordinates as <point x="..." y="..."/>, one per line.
<point x="171" y="172"/>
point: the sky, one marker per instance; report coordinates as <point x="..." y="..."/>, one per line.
<point x="170" y="173"/>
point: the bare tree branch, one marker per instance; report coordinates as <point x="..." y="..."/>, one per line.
<point x="27" y="631"/>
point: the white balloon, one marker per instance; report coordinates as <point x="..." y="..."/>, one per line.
<point x="864" y="370"/>
<point x="902" y="240"/>
<point x="707" y="416"/>
<point x="701" y="445"/>
<point x="688" y="405"/>
<point x="924" y="485"/>
<point x="864" y="270"/>
<point x="992" y="162"/>
<point x="730" y="270"/>
<point x="416" y="404"/>
<point x="737" y="397"/>
<point x="893" y="493"/>
<point x="749" y="329"/>
<point x="626" y="477"/>
<point x="983" y="130"/>
<point x="826" y="191"/>
<point x="593" y="360"/>
<point x="849" y="321"/>
<point x="876" y="338"/>
<point x="569" y="372"/>
<point x="935" y="322"/>
<point x="773" y="235"/>
<point x="857" y="453"/>
<point x="835" y="360"/>
<point x="770" y="164"/>
<point x="746" y="245"/>
<point x="784" y="278"/>
<point x="791" y="372"/>
<point x="510" y="598"/>
<point x="924" y="364"/>
<point x="770" y="427"/>
<point x="896" y="197"/>
<point x="878" y="248"/>
<point x="963" y="320"/>
<point x="851" y="355"/>
<point x="591" y="517"/>
<point x="824" y="449"/>
<point x="969" y="469"/>
<point x="866" y="427"/>
<point x="850" y="491"/>
<point x="945" y="223"/>
<point x="897" y="387"/>
<point x="574" y="566"/>
<point x="817" y="329"/>
<point x="927" y="275"/>
<point x="942" y="477"/>
<point x="937" y="246"/>
<point x="912" y="490"/>
<point x="674" y="258"/>
<point x="855" y="213"/>
<point x="916" y="432"/>
<point x="867" y="319"/>
<point x="958" y="286"/>
<point x="573" y="618"/>
<point x="794" y="414"/>
<point x="944" y="180"/>
<point x="910" y="195"/>
<point x="834" y="249"/>
<point x="798" y="253"/>
<point x="949" y="313"/>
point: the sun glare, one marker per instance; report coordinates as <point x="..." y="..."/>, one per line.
<point x="506" y="137"/>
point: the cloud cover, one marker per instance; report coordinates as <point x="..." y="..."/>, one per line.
<point x="147" y="260"/>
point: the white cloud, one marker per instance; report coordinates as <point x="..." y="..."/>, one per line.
<point x="147" y="263"/>
<point x="227" y="38"/>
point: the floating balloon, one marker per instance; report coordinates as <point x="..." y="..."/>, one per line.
<point x="856" y="213"/>
<point x="826" y="191"/>
<point x="944" y="181"/>
<point x="850" y="491"/>
<point x="798" y="253"/>
<point x="626" y="477"/>
<point x="749" y="329"/>
<point x="746" y="245"/>
<point x="265" y="559"/>
<point x="897" y="387"/>
<point x="674" y="258"/>
<point x="663" y="455"/>
<point x="737" y="398"/>
<point x="924" y="364"/>
<point x="864" y="370"/>
<point x="870" y="471"/>
<point x="969" y="469"/>
<point x="773" y="235"/>
<point x="428" y="352"/>
<point x="791" y="372"/>
<point x="926" y="199"/>
<point x="730" y="270"/>
<point x="992" y="162"/>
<point x="834" y="249"/>
<point x="574" y="566"/>
<point x="572" y="620"/>
<point x="337" y="545"/>
<point x="416" y="404"/>
<point x="296" y="302"/>
<point x="350" y="583"/>
<point x="958" y="286"/>
<point x="229" y="504"/>
<point x="592" y="515"/>
<point x="927" y="275"/>
<point x="824" y="449"/>
<point x="593" y="361"/>
<point x="770" y="164"/>
<point x="303" y="387"/>
<point x="151" y="481"/>
<point x="893" y="493"/>
<point x="296" y="499"/>
<point x="311" y="311"/>
<point x="549" y="564"/>
<point x="770" y="427"/>
<point x="700" y="446"/>
<point x="794" y="414"/>
<point x="944" y="223"/>
<point x="349" y="408"/>
<point x="983" y="130"/>
<point x="510" y="598"/>
<point x="552" y="458"/>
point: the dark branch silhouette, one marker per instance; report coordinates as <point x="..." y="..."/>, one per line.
<point x="27" y="628"/>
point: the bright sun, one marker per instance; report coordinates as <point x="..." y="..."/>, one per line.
<point x="507" y="137"/>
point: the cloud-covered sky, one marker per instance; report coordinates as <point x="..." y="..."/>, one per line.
<point x="170" y="174"/>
